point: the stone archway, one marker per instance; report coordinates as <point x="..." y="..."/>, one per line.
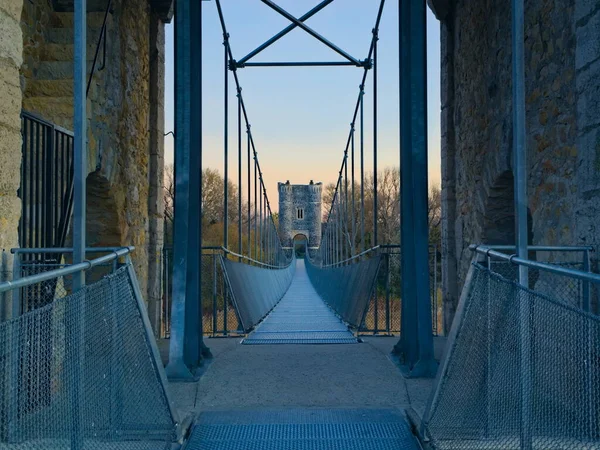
<point x="102" y="221"/>
<point x="300" y="243"/>
<point x="499" y="213"/>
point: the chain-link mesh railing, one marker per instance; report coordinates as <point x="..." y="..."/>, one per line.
<point x="347" y="289"/>
<point x="79" y="372"/>
<point x="218" y="314"/>
<point x="255" y="290"/>
<point x="577" y="292"/>
<point x="383" y="315"/>
<point x="522" y="369"/>
<point x="219" y="317"/>
<point x="30" y="262"/>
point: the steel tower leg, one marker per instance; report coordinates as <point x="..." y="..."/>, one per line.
<point x="415" y="347"/>
<point x="179" y="352"/>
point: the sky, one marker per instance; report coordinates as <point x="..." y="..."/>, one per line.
<point x="300" y="117"/>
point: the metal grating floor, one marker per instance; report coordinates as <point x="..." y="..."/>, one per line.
<point x="302" y="429"/>
<point x="301" y="317"/>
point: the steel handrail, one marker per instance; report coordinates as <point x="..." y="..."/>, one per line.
<point x="68" y="270"/>
<point x="551" y="268"/>
<point x="359" y="255"/>
<point x="26" y="251"/>
<point x="546" y="248"/>
<point x="247" y="258"/>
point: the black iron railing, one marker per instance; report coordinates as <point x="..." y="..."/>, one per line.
<point x="46" y="189"/>
<point x="46" y="183"/>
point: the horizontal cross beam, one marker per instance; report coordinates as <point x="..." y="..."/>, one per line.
<point x="240" y="65"/>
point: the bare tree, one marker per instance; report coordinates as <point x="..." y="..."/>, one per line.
<point x="434" y="213"/>
<point x="212" y="205"/>
<point x="169" y="192"/>
<point x="388" y="208"/>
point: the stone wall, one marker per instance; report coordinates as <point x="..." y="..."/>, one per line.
<point x="562" y="139"/>
<point x="125" y="118"/>
<point x="300" y="196"/>
<point x="11" y="56"/>
<point x="587" y="81"/>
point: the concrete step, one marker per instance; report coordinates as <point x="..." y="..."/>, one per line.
<point x="66" y="35"/>
<point x="67" y="19"/>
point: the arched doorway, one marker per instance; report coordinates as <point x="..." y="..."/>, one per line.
<point x="300" y="243"/>
<point x="102" y="218"/>
<point x="499" y="214"/>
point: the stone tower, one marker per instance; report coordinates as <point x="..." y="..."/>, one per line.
<point x="300" y="213"/>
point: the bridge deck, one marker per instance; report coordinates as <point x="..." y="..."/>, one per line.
<point x="301" y="396"/>
<point x="301" y="317"/>
<point x="281" y="381"/>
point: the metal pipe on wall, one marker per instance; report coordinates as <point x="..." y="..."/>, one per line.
<point x="520" y="188"/>
<point x="79" y="140"/>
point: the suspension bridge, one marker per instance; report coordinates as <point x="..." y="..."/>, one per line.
<point x="81" y="367"/>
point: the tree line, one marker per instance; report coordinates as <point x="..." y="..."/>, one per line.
<point x="388" y="206"/>
<point x="388" y="217"/>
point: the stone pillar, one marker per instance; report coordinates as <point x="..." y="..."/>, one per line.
<point x="11" y="58"/>
<point x="314" y="204"/>
<point x="285" y="213"/>
<point x="156" y="205"/>
<point x="450" y="246"/>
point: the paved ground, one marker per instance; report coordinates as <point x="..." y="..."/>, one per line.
<point x="246" y="377"/>
<point x="304" y="373"/>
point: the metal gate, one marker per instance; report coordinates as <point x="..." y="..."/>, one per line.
<point x="46" y="194"/>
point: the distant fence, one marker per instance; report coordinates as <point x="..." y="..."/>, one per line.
<point x="219" y="314"/>
<point x="219" y="317"/>
<point x="522" y="363"/>
<point x="383" y="315"/>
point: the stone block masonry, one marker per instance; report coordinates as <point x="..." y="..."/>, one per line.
<point x="300" y="212"/>
<point x="562" y="63"/>
<point x="11" y="58"/>
<point x="125" y="118"/>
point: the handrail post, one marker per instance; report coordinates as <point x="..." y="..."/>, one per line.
<point x="387" y="293"/>
<point x="214" y="294"/>
<point x="520" y="189"/>
<point x="16" y="300"/>
<point x="586" y="301"/>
